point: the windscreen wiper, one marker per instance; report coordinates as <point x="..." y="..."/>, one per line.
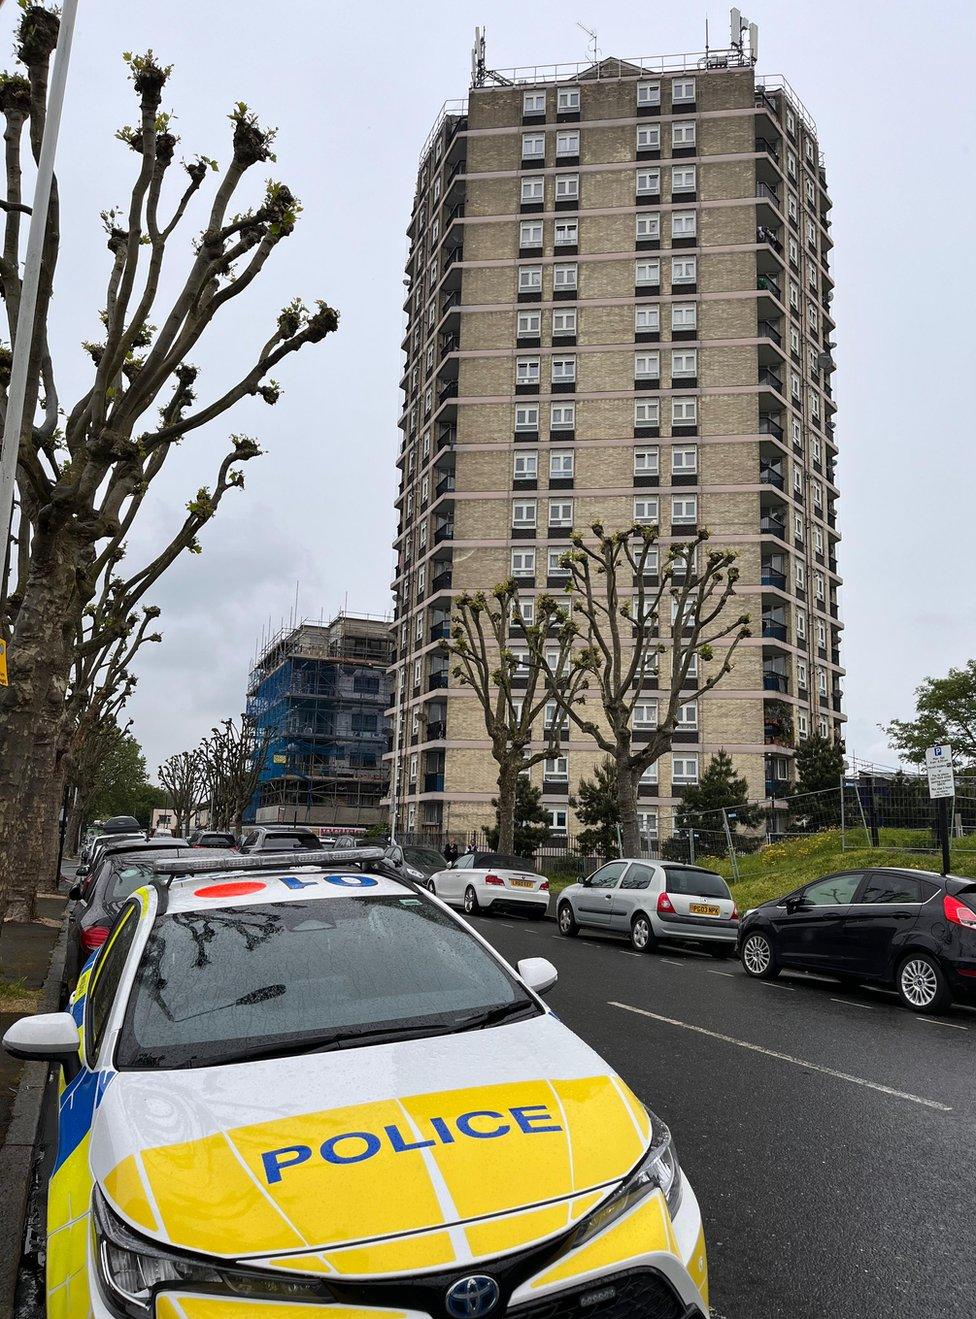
<point x="494" y="1016"/>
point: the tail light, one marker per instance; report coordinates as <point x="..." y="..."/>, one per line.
<point x="544" y="886"/>
<point x="494" y="879"/>
<point x="958" y="913"/>
<point x="664" y="904"/>
<point x="93" y="936"/>
<point x="735" y="913"/>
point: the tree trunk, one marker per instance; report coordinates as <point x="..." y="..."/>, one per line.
<point x="627" y="809"/>
<point x="507" y="782"/>
<point x="76" y="821"/>
<point x="31" y="718"/>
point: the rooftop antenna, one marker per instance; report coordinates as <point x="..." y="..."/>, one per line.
<point x="480" y="73"/>
<point x="593" y="51"/>
<point x="748" y="50"/>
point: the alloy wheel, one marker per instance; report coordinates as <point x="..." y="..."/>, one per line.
<point x="757" y="954"/>
<point x="565" y="919"/>
<point x="919" y="983"/>
<point x="641" y="933"/>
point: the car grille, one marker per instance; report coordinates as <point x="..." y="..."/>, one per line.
<point x="639" y="1294"/>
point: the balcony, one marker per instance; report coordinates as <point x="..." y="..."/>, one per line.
<point x="772" y="577"/>
<point x="767" y="284"/>
<point x="766" y="147"/>
<point x="433" y="783"/>
<point x="773" y="630"/>
<point x="775" y="682"/>
<point x="436" y="730"/>
<point x="767" y="330"/>
<point x="443" y="533"/>
<point x="768" y="379"/>
<point x="437" y="680"/>
<point x="442" y="582"/>
<point x="769" y="525"/>
<point x="767" y="202"/>
<point x="771" y="474"/>
<point x="445" y="486"/>
<point x="441" y="630"/>
<point x="768" y="425"/>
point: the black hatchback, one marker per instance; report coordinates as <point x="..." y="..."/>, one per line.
<point x="914" y="931"/>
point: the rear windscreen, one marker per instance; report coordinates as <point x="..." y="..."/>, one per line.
<point x="695" y="883"/>
<point x="501" y="861"/>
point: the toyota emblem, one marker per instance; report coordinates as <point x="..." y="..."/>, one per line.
<point x="472" y="1297"/>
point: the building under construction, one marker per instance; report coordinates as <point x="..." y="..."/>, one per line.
<point x="323" y="689"/>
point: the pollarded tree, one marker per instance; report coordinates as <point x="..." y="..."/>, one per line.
<point x="84" y="472"/>
<point x="231" y="760"/>
<point x="499" y="655"/>
<point x="182" y="777"/>
<point x="620" y="585"/>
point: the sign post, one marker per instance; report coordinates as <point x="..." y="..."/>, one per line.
<point x="942" y="788"/>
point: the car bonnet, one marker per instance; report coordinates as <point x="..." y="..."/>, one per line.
<point x="470" y="1144"/>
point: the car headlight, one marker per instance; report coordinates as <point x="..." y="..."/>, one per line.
<point x="413" y="872"/>
<point x="658" y="1170"/>
<point x="131" y="1270"/>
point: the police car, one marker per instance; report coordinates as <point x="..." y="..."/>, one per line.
<point x="293" y="1087"/>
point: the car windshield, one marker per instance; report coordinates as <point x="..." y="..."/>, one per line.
<point x="281" y="842"/>
<point x="696" y="883"/>
<point x="500" y="861"/>
<point x="238" y="983"/>
<point x="425" y="857"/>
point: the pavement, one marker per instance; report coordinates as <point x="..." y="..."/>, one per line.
<point x="827" y="1131"/>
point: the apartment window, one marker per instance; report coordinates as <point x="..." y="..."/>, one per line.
<point x="527" y="417"/>
<point x="822" y="681"/>
<point x="647" y="273"/>
<point x="801" y="624"/>
<point x="647" y="820"/>
<point x="557" y="768"/>
<point x="811" y="233"/>
<point x="791" y="164"/>
<point x="684" y="315"/>
<point x="683" y="178"/>
<point x="811" y="193"/>
<point x="684" y="224"/>
<point x="798" y="526"/>
<point x="524" y="513"/>
<point x="418" y="630"/>
<point x="566" y="233"/>
<point x="524" y="610"/>
<point x="525" y="466"/>
<point x="790" y="121"/>
<point x="684" y="411"/>
<point x="688" y="717"/>
<point x="425" y="490"/>
<point x="533" y="189"/>
<point x="815" y="406"/>
<point x="641" y="615"/>
<point x="815" y="447"/>
<point x="648" y="182"/>
<point x="824" y="727"/>
<point x="527" y="371"/>
<point x="647" y="512"/>
<point x="794" y="251"/>
<point x="650" y="775"/>
<point x="557" y="819"/>
<point x="684" y="363"/>
<point x="568" y="143"/>
<point x="560" y="465"/>
<point x="560" y="513"/>
<point x="418" y="669"/>
<point x="646" y="462"/>
<point x="801" y="674"/>
<point x="684" y="769"/>
<point x="523" y="563"/>
<point x="648" y="93"/>
<point x="817" y="495"/>
<point x="683" y="133"/>
<point x="564" y="277"/>
<point x="794" y="332"/>
<point x="530" y="279"/>
<point x="812" y="277"/>
<point x="682" y="89"/>
<point x="563" y="368"/>
<point x="802" y="725"/>
<point x="800" y="574"/>
<point x="567" y="187"/>
<point x="819" y="587"/>
<point x="412" y="815"/>
<point x="530" y="233"/>
<point x="428" y="400"/>
<point x="796" y="431"/>
<point x="647" y="319"/>
<point x="797" y="480"/>
<point x="684" y="510"/>
<point x="684" y="460"/>
<point x="529" y="324"/>
<point x="684" y="269"/>
<point x="813" y="317"/>
<point x="555" y="567"/>
<point x="562" y="416"/>
<point x="647" y="412"/>
<point x="792" y="207"/>
<point x="415" y="716"/>
<point x="647" y="366"/>
<point x="533" y="102"/>
<point x="649" y="137"/>
<point x="564" y="322"/>
<point x="533" y="146"/>
<point x="568" y="98"/>
<point x="645" y="714"/>
<point x="821" y="634"/>
<point x="648" y="227"/>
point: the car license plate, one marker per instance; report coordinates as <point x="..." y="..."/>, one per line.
<point x="704" y="909"/>
<point x="521" y="883"/>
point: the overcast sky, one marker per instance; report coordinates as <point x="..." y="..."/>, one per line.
<point x="353" y="90"/>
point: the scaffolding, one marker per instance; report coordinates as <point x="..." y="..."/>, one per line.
<point x="323" y="690"/>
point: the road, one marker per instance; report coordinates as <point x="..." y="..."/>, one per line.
<point x="828" y="1132"/>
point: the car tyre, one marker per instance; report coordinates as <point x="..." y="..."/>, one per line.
<point x="566" y="921"/>
<point x="642" y="938"/>
<point x="758" y="956"/>
<point x="471" y="904"/>
<point x="921" y="983"/>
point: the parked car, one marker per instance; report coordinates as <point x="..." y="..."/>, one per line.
<point x="102" y="847"/>
<point x="422" y="862"/>
<point x="653" y="902"/>
<point x="118" y="872"/>
<point x="911" y="930"/>
<point x="281" y="838"/>
<point x="122" y="824"/>
<point x="492" y="881"/>
<point x="212" y="838"/>
<point x="282" y="1096"/>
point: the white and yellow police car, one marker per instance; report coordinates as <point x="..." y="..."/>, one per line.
<point x="298" y="1088"/>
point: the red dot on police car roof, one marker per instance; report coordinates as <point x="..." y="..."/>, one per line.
<point x="228" y="890"/>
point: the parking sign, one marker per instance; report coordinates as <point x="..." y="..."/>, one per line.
<point x="938" y="766"/>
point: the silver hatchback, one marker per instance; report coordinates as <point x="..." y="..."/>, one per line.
<point x="651" y="901"/>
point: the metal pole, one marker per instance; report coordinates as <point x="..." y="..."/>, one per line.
<point x="728" y="839"/>
<point x="872" y="811"/>
<point x="62" y="829"/>
<point x="691" y="845"/>
<point x="943" y="805"/>
<point x="17" y="389"/>
<point x="843" y="835"/>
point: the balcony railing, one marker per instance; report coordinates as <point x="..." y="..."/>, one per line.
<point x="767" y="193"/>
<point x="763" y="144"/>
<point x="770" y="526"/>
<point x="770" y="577"/>
<point x="445" y="485"/>
<point x="767" y="330"/>
<point x="440" y="631"/>
<point x="767" y="283"/>
<point x="775" y="682"/>
<point x="774" y="630"/>
<point x="771" y="476"/>
<point x="770" y="378"/>
<point x="444" y="533"/>
<point x="768" y="426"/>
<point x="433" y="783"/>
<point x="765" y="235"/>
<point x="442" y="582"/>
<point x="437" y="680"/>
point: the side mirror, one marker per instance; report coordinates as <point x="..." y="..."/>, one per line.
<point x="796" y="903"/>
<point x="74" y="892"/>
<point x="50" y="1037"/>
<point x="538" y="973"/>
<point x="81" y="872"/>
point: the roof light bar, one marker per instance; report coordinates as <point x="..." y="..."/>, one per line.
<point x="326" y="859"/>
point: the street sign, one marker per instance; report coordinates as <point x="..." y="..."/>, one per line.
<point x="279" y="759"/>
<point x="938" y="766"/>
<point x="3" y="664"/>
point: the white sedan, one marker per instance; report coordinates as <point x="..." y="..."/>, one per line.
<point x="490" y="881"/>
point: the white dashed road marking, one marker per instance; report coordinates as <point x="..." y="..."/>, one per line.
<point x="934" y="1021"/>
<point x="786" y="1058"/>
<point x="849" y="1003"/>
